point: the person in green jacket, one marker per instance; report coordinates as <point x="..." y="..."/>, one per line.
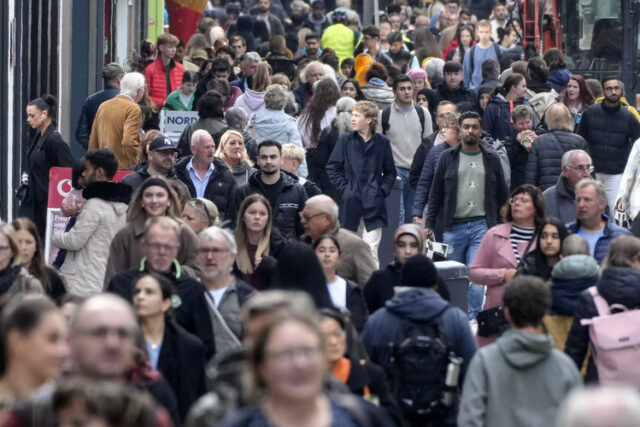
<point x="182" y="98"/>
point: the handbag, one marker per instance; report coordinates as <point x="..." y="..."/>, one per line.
<point x="22" y="192"/>
<point x="492" y="322"/>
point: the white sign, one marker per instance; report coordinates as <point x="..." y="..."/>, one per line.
<point x="174" y="122"/>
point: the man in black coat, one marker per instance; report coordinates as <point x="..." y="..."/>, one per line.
<point x="452" y="88"/>
<point x="206" y="175"/>
<point x="160" y="246"/>
<point x="544" y="161"/>
<point x="111" y="74"/>
<point x="610" y="129"/>
<point x="285" y="194"/>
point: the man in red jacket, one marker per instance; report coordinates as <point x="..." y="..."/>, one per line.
<point x="164" y="75"/>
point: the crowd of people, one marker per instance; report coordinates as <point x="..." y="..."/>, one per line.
<point x="232" y="277"/>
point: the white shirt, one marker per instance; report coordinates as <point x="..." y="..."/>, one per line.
<point x="217" y="295"/>
<point x="338" y="292"/>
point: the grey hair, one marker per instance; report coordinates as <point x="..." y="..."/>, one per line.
<point x="236" y="118"/>
<point x="566" y="157"/>
<point x="613" y="406"/>
<point x="219" y="235"/>
<point x="599" y="186"/>
<point x="195" y="137"/>
<point x="326" y="204"/>
<point x="558" y="116"/>
<point x="131" y="83"/>
<point x="250" y="57"/>
<point x="575" y="244"/>
<point x="434" y="69"/>
<point x="345" y="104"/>
<point x="275" y="97"/>
<point x="307" y="69"/>
<point x="521" y="111"/>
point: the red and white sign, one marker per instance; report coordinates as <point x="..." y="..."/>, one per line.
<point x="59" y="188"/>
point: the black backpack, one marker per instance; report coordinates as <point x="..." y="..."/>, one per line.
<point x="386" y="114"/>
<point x="419" y="359"/>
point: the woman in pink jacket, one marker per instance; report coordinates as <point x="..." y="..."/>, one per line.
<point x="504" y="245"/>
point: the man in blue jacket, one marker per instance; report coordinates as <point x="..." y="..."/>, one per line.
<point x="419" y="302"/>
<point x="111" y="74"/>
<point x="591" y="222"/>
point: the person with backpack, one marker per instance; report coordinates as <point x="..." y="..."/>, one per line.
<point x="474" y="57"/>
<point x="417" y="337"/>
<point x="452" y="87"/>
<point x="521" y="370"/>
<point x="406" y="125"/>
<point x="618" y="284"/>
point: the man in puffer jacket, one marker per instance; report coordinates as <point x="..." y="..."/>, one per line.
<point x="610" y="130"/>
<point x="164" y="75"/>
<point x="575" y="272"/>
<point x="544" y="163"/>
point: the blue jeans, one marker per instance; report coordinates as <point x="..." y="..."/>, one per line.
<point x="464" y="239"/>
<point x="406" y="199"/>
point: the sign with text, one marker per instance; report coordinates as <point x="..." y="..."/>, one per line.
<point x="59" y="188"/>
<point x="172" y="123"/>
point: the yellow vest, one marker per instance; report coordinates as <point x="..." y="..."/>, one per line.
<point x="341" y="39"/>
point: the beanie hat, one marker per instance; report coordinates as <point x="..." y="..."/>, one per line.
<point x="416" y="74"/>
<point x="419" y="272"/>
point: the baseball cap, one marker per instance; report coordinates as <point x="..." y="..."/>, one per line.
<point x="317" y="4"/>
<point x="162" y="143"/>
<point x="199" y="53"/>
<point x="112" y="70"/>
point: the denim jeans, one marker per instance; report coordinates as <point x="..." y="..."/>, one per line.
<point x="464" y="239"/>
<point x="406" y="199"/>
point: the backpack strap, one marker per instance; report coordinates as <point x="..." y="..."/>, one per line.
<point x="386" y="114"/>
<point x="601" y="304"/>
<point x="556" y="143"/>
<point x="472" y="57"/>
<point x="420" y="112"/>
<point x="498" y="54"/>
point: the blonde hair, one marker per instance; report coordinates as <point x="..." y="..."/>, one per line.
<point x="242" y="239"/>
<point x="9" y="232"/>
<point x="136" y="209"/>
<point x="223" y="143"/>
<point x="293" y="152"/>
<point x="369" y="110"/>
<point x="624" y="251"/>
<point x="144" y="145"/>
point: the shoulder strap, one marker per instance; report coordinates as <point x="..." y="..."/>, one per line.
<point x="497" y="49"/>
<point x="472" y="56"/>
<point x="601" y="304"/>
<point x="386" y="114"/>
<point x="218" y="315"/>
<point x="556" y="143"/>
<point x="420" y="112"/>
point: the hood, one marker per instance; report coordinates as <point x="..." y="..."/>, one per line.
<point x="575" y="267"/>
<point x="378" y="82"/>
<point x="444" y="89"/>
<point x="522" y="349"/>
<point x="110" y="191"/>
<point x="559" y="76"/>
<point x="417" y="304"/>
<point x="498" y="99"/>
<point x="255" y="100"/>
<point x="287" y="179"/>
<point x="272" y="121"/>
<point x="244" y="23"/>
<point x="619" y="285"/>
<point x="562" y="188"/>
<point x="378" y="94"/>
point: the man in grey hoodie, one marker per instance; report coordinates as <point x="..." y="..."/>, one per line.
<point x="521" y="379"/>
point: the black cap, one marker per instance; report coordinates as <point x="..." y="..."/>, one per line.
<point x="317" y="4"/>
<point x="162" y="143"/>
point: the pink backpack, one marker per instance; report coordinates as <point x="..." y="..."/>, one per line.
<point x="615" y="341"/>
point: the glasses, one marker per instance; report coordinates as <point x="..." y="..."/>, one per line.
<point x="212" y="251"/>
<point x="288" y="356"/>
<point x="161" y="247"/>
<point x="102" y="332"/>
<point x="588" y="168"/>
<point x="520" y="200"/>
<point x="308" y="217"/>
<point x="612" y="88"/>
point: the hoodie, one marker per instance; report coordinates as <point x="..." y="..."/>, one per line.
<point x="378" y="92"/>
<point x="250" y="101"/>
<point x="519" y="380"/>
